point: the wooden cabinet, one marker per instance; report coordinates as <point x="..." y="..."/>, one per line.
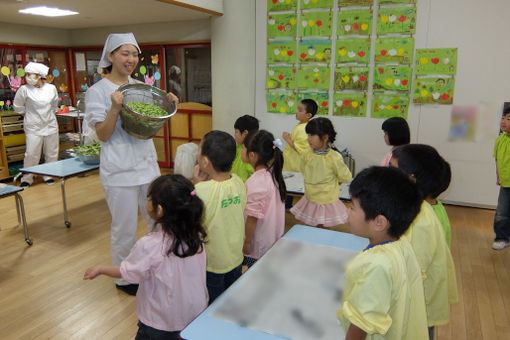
<point x="12" y="144"/>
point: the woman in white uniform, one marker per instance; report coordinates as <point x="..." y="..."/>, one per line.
<point x="128" y="164"/>
<point x="38" y="102"/>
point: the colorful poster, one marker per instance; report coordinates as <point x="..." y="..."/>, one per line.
<point x="281" y="77"/>
<point x="351" y="3"/>
<point x="306" y="4"/>
<point x="396" y="20"/>
<point x="313" y="77"/>
<point x="392" y="78"/>
<point x="281" y="5"/>
<point x="315" y="24"/>
<point x="353" y="50"/>
<point x="389" y="105"/>
<point x="394" y="49"/>
<point x="315" y="51"/>
<point x="436" y="90"/>
<point x="321" y="98"/>
<point x="281" y="51"/>
<point x="351" y="78"/>
<point x="436" y="61"/>
<point x="350" y="104"/>
<point x="281" y="25"/>
<point x="463" y="123"/>
<point x="355" y="22"/>
<point x="279" y="101"/>
<point x="381" y="2"/>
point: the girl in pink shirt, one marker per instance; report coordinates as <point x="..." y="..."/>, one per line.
<point x="169" y="265"/>
<point x="396" y="133"/>
<point x="265" y="189"/>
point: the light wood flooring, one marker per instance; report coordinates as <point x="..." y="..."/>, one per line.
<point x="43" y="296"/>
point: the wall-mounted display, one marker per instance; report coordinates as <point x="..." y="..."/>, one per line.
<point x="355" y="22"/>
<point x="282" y="51"/>
<point x="351" y="78"/>
<point x="392" y="78"/>
<point x="314" y="24"/>
<point x="389" y="105"/>
<point x="313" y="77"/>
<point x="350" y="104"/>
<point x="279" y="101"/>
<point x="307" y="4"/>
<point x="314" y="51"/>
<point x="281" y="25"/>
<point x="396" y="20"/>
<point x="353" y="50"/>
<point x="436" y="61"/>
<point x="436" y="90"/>
<point x="394" y="49"/>
<point x="321" y="98"/>
<point x="281" y="77"/>
<point x="281" y="5"/>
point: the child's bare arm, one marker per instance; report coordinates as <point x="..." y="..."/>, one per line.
<point x="355" y="333"/>
<point x="251" y="224"/>
<point x="95" y="271"/>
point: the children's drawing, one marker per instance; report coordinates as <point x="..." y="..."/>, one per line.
<point x="350" y="3"/>
<point x="281" y="52"/>
<point x="321" y="98"/>
<point x="392" y="78"/>
<point x="350" y="104"/>
<point x="436" y="61"/>
<point x="282" y="25"/>
<point x="354" y="22"/>
<point x="389" y="105"/>
<point x="313" y="77"/>
<point x="353" y="50"/>
<point x="306" y="4"/>
<point x="281" y="5"/>
<point x="463" y="123"/>
<point x="436" y="90"/>
<point x="381" y="2"/>
<point x="279" y="101"/>
<point x="315" y="51"/>
<point x="396" y="20"/>
<point x="394" y="49"/>
<point x="281" y="77"/>
<point x="351" y="78"/>
<point x="315" y="24"/>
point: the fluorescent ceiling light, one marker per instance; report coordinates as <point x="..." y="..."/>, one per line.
<point x="47" y="11"/>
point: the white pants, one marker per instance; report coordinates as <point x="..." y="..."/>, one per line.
<point x="124" y="203"/>
<point x="34" y="145"/>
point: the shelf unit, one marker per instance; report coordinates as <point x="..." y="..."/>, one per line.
<point x="13" y="140"/>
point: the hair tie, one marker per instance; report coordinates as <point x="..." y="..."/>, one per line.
<point x="193" y="193"/>
<point x="277" y="143"/>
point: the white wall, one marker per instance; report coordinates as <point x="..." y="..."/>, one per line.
<point x="233" y="63"/>
<point x="483" y="73"/>
<point x="33" y="35"/>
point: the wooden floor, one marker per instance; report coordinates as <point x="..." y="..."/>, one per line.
<point x="43" y="296"/>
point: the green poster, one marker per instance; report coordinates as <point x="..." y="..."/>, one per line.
<point x="313" y="77"/>
<point x="392" y="78"/>
<point x="389" y="105"/>
<point x="315" y="24"/>
<point x="396" y="20"/>
<point x="353" y="50"/>
<point x="281" y="5"/>
<point x="395" y="49"/>
<point x="321" y="98"/>
<point x="437" y="90"/>
<point x="351" y="104"/>
<point x="355" y="22"/>
<point x="436" y="61"/>
<point x="315" y="51"/>
<point x="281" y="77"/>
<point x="283" y="51"/>
<point x="381" y="2"/>
<point x="350" y="3"/>
<point x="306" y="4"/>
<point x="351" y="78"/>
<point x="279" y="101"/>
<point x="281" y="25"/>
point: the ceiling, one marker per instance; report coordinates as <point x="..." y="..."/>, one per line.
<point x="98" y="13"/>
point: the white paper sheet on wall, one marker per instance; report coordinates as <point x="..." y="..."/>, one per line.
<point x="80" y="61"/>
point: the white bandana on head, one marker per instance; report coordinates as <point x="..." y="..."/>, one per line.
<point x="113" y="41"/>
<point x="37" y="68"/>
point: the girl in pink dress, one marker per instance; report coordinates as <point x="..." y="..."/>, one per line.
<point x="323" y="170"/>
<point x="396" y="133"/>
<point x="265" y="189"/>
<point x="170" y="264"/>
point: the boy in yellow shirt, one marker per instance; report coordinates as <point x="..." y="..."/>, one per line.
<point x="224" y="197"/>
<point x="383" y="293"/>
<point x="297" y="140"/>
<point x="242" y="127"/>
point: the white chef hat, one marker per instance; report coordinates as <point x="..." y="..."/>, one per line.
<point x="113" y="41"/>
<point x="37" y="68"/>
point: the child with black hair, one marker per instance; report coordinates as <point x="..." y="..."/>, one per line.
<point x="243" y="125"/>
<point x="265" y="190"/>
<point x="169" y="265"/>
<point x="224" y="197"/>
<point x="383" y="293"/>
<point x="396" y="132"/>
<point x="428" y="240"/>
<point x="502" y="156"/>
<point x="323" y="170"/>
<point x="297" y="140"/>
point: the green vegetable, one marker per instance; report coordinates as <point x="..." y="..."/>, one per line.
<point x="89" y="149"/>
<point x="147" y="109"/>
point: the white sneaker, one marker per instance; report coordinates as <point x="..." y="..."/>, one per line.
<point x="499" y="244"/>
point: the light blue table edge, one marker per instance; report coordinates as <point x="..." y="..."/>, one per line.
<point x="9" y="189"/>
<point x="62" y="168"/>
<point x="206" y="327"/>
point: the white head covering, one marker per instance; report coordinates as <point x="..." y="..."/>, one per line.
<point x="37" y="68"/>
<point x="113" y="41"/>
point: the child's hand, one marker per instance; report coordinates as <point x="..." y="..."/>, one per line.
<point x="286" y="136"/>
<point x="92" y="273"/>
<point x="199" y="176"/>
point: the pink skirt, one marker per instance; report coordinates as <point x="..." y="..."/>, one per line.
<point x="328" y="215"/>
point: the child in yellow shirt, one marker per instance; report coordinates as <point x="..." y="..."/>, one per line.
<point x="242" y="127"/>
